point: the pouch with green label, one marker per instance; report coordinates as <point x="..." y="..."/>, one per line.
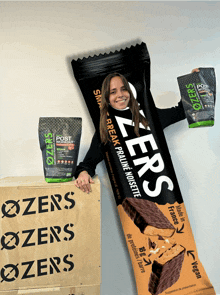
<point x="198" y="93"/>
<point x="59" y="139"/>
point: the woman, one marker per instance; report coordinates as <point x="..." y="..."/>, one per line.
<point x="116" y="92"/>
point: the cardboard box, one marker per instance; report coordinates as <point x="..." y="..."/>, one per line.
<point x="49" y="238"/>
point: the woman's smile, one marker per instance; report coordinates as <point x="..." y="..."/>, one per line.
<point x="119" y="96"/>
<point x="121" y="101"/>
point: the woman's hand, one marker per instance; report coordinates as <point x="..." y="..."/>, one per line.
<point x="195" y="70"/>
<point x="84" y="181"/>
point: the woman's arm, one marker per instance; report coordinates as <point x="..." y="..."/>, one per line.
<point x="171" y="115"/>
<point x="175" y="114"/>
<point x="86" y="169"/>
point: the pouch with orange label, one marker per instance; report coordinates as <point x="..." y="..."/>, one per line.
<point x="147" y="194"/>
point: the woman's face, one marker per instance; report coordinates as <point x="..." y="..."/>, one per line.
<point x="119" y="97"/>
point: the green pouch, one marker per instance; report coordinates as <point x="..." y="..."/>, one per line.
<point x="59" y="141"/>
<point x="198" y="94"/>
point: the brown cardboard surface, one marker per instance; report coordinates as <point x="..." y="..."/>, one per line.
<point x="82" y="290"/>
<point x="49" y="236"/>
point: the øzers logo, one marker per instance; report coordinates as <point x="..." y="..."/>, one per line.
<point x="31" y="237"/>
<point x="42" y="204"/>
<point x="35" y="237"/>
<point x="154" y="164"/>
<point x="36" y="268"/>
<point x="141" y="159"/>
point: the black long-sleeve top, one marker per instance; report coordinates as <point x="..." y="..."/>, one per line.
<point x="94" y="155"/>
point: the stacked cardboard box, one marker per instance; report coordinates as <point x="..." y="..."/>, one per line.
<point x="49" y="238"/>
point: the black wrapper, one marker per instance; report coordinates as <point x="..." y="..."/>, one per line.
<point x="134" y="63"/>
<point x="143" y="179"/>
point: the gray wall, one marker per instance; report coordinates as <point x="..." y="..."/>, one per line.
<point x="39" y="39"/>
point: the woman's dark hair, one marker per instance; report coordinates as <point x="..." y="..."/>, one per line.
<point x="133" y="105"/>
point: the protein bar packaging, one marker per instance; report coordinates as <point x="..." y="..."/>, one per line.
<point x="198" y="93"/>
<point x="147" y="194"/>
<point x="59" y="141"/>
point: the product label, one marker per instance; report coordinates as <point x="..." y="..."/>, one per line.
<point x="174" y="257"/>
<point x="194" y="97"/>
<point x="59" y="141"/>
<point x="141" y="161"/>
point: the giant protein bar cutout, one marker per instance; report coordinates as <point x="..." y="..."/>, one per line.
<point x="59" y="141"/>
<point x="198" y="93"/>
<point x="147" y="194"/>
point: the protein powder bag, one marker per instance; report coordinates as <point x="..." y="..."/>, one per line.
<point x="198" y="92"/>
<point x="144" y="183"/>
<point x="59" y="141"/>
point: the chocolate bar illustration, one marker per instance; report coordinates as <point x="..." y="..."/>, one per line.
<point x="148" y="217"/>
<point x="166" y="269"/>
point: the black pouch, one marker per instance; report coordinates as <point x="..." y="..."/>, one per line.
<point x="143" y="179"/>
<point x="59" y="141"/>
<point x="198" y="93"/>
